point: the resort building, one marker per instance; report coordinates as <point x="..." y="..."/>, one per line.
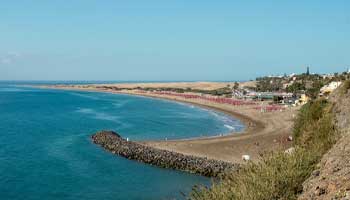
<point x="302" y="100"/>
<point x="327" y="89"/>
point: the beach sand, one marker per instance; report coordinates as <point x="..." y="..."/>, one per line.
<point x="182" y="85"/>
<point x="264" y="132"/>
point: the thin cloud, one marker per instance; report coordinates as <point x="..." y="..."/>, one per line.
<point x="9" y="57"/>
<point x="5" y="61"/>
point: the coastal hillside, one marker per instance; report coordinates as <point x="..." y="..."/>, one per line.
<point x="332" y="179"/>
<point x="175" y="100"/>
<point x="316" y="167"/>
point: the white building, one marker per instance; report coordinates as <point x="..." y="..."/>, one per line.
<point x="292" y="75"/>
<point x="330" y="87"/>
<point x="329" y="76"/>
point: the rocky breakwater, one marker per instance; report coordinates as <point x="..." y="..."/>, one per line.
<point x="114" y="143"/>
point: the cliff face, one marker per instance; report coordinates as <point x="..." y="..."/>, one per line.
<point x="332" y="180"/>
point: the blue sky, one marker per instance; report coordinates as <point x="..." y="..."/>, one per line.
<point x="171" y="40"/>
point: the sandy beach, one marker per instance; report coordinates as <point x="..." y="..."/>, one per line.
<point x="264" y="132"/>
<point x="182" y="85"/>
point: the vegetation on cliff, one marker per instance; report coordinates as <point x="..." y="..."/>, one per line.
<point x="345" y="87"/>
<point x="332" y="180"/>
<point x="279" y="175"/>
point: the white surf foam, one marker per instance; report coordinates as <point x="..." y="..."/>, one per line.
<point x="230" y="127"/>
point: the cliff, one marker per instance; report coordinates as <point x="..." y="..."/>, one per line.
<point x="332" y="179"/>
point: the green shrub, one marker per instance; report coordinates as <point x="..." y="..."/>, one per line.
<point x="309" y="114"/>
<point x="279" y="175"/>
<point x="345" y="87"/>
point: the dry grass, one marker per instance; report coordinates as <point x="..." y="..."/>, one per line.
<point x="280" y="175"/>
<point x="345" y="87"/>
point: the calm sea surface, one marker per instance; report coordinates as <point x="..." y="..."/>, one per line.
<point x="46" y="152"/>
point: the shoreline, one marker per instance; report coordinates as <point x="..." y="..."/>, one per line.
<point x="247" y="121"/>
<point x="263" y="132"/>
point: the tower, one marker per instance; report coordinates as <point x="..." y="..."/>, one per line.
<point x="307" y="71"/>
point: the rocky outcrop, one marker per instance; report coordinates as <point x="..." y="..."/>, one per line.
<point x="332" y="179"/>
<point x="114" y="143"/>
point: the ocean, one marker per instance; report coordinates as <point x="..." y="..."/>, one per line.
<point x="46" y="151"/>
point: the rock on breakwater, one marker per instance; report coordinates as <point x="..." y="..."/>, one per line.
<point x="114" y="143"/>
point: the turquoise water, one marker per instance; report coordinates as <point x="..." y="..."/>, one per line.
<point x="46" y="152"/>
